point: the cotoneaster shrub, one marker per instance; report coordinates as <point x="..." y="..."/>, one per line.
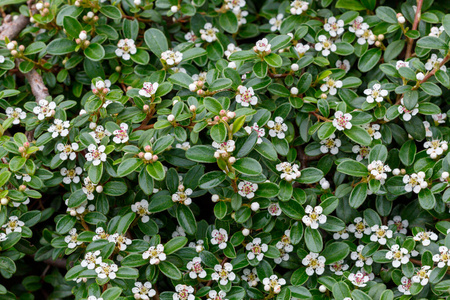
<point x="182" y="150"/>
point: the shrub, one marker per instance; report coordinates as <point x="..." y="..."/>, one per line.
<point x="224" y="150"/>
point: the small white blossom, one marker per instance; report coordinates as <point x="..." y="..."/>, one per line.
<point x="364" y="34"/>
<point x="301" y="49"/>
<point x="428" y="132"/>
<point x="126" y="48"/>
<point x="91" y="259"/>
<point x="105" y="270"/>
<point x="435" y="148"/>
<point x="276" y="22"/>
<point x="407" y="114"/>
<point x="3" y="237"/>
<point x="298" y="7"/>
<point x="358" y="279"/>
<point x="156" y="254"/>
<point x="89" y="188"/>
<point x="100" y="234"/>
<point x="314" y="216"/>
<point x="214" y="295"/>
<point x="405" y="286"/>
<point x="400" y="224"/>
<point x="273" y="283"/>
<point x="223" y="274"/>
<point x="426" y="237"/>
<point x="120" y="241"/>
<point x="331" y="145"/>
<point x="263" y="45"/>
<point x="325" y="45"/>
<point x="59" y="128"/>
<point x="72" y="239"/>
<point x="71" y="175"/>
<point x="261" y="132"/>
<point x="141" y="209"/>
<point x="208" y="34"/>
<point x="422" y="275"/>
<point x="148" y="89"/>
<point x="179" y="231"/>
<point x="143" y="291"/>
<point x="231" y="4"/>
<point x="198" y="246"/>
<point x="373" y="130"/>
<point x="359" y="258"/>
<point x="44" y="109"/>
<point x="342" y="121"/>
<point x="247" y="189"/>
<point x="183" y="292"/>
<point x="375" y="94"/>
<point x="96" y="154"/>
<point x="13" y="225"/>
<point x="277" y="128"/>
<point x="219" y="237"/>
<point x="290" y="171"/>
<point x="256" y="249"/>
<point x="195" y="268"/>
<point x="434" y="63"/>
<point x="2" y="59"/>
<point x="343" y="64"/>
<point x="314" y="264"/>
<point x="15" y="113"/>
<point x="415" y="182"/>
<point x="274" y="209"/>
<point x="172" y="58"/>
<point x="334" y="27"/>
<point x="330" y="85"/>
<point x="380" y="234"/>
<point x="182" y="195"/>
<point x="356" y="24"/>
<point x="399" y="256"/>
<point x="378" y="170"/>
<point x="223" y="148"/>
<point x="400" y="63"/>
<point x="121" y="135"/>
<point x="343" y="234"/>
<point x="251" y="277"/>
<point x="246" y="96"/>
<point x="443" y="258"/>
<point x="67" y="151"/>
<point x="231" y="48"/>
<point x="436" y="31"/>
<point x="439" y="118"/>
<point x="339" y="267"/>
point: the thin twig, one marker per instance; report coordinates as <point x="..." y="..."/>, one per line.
<point x="414" y="27"/>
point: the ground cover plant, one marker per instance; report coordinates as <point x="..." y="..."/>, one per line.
<point x="236" y="149"/>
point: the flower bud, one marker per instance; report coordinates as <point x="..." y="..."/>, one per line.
<point x="323" y="96"/>
<point x="146" y="108"/>
<point x="21" y="48"/>
<point x="141" y="155"/>
<point x="232" y="160"/>
<point x="396" y="172"/>
<point x="325" y="185"/>
<point x="401" y="19"/>
<point x="137" y="2"/>
<point x="174" y="9"/>
<point x="14" y="52"/>
<point x="95" y="18"/>
<point x="403" y="171"/>
<point x="294" y="67"/>
<point x="22" y="187"/>
<point x="73" y="213"/>
<point x="193" y="87"/>
<point x="294" y="91"/>
<point x="216" y="154"/>
<point x="99" y="189"/>
<point x="215" y="198"/>
<point x="192" y="108"/>
<point x="155" y="158"/>
<point x="200" y="92"/>
<point x="378" y="44"/>
<point x="225" y="119"/>
<point x="254" y="206"/>
<point x="39" y="6"/>
<point x="21" y="149"/>
<point x="170" y="118"/>
<point x="322" y="288"/>
<point x="216" y="118"/>
<point x="4" y="201"/>
<point x="380" y="37"/>
<point x="420" y="76"/>
<point x="445" y="175"/>
<point x="92" y="125"/>
<point x="245" y="232"/>
<point x="148" y="156"/>
<point x="148" y="148"/>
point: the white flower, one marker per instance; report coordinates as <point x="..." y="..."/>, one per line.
<point x="343" y="234"/>
<point x="342" y="121"/>
<point x="375" y="94"/>
<point x="301" y="49"/>
<point x="44" y="109"/>
<point x="96" y="154"/>
<point x="247" y="189"/>
<point x="298" y="7"/>
<point x="223" y="274"/>
<point x="197" y="245"/>
<point x="439" y="118"/>
<point x="314" y="216"/>
<point x="380" y="234"/>
<point x="100" y="234"/>
<point x="15" y="113"/>
<point x="246" y="96"/>
<point x="435" y="31"/>
<point x="72" y="239"/>
<point x="274" y="209"/>
<point x="261" y="131"/>
<point x="91" y="259"/>
<point x="360" y="259"/>
<point x="121" y="135"/>
<point x="89" y="188"/>
<point x="422" y="275"/>
<point x="331" y="145"/>
<point x="184" y="292"/>
<point x="435" y="148"/>
<point x="2" y="59"/>
<point x="273" y="283"/>
<point x="219" y="237"/>
<point x="399" y="256"/>
<point x="179" y="231"/>
<point x="356" y="24"/>
<point x="148" y="89"/>
<point x="156" y="254"/>
<point x="339" y="267"/>
<point x="67" y="151"/>
<point x="120" y="241"/>
<point x="251" y="277"/>
<point x="276" y="22"/>
<point x="24" y="177"/>
<point x="190" y="37"/>
<point x="358" y="279"/>
<point x="178" y="70"/>
<point x="428" y="132"/>
<point x="314" y="264"/>
<point x="141" y="209"/>
<point x="143" y="291"/>
<point x="364" y="34"/>
<point x="223" y="148"/>
<point x="290" y="172"/>
<point x="101" y="85"/>
<point x="285" y="242"/>
<point x="208" y="34"/>
<point x="83" y="35"/>
<point x="182" y="195"/>
<point x="407" y="114"/>
<point x="400" y="224"/>
<point x="3" y="237"/>
<point x="13" y="225"/>
<point x="443" y="258"/>
<point x="324" y="184"/>
<point x="400" y="63"/>
<point x="331" y="85"/>
<point x="231" y="4"/>
<point x="378" y="170"/>
<point x="434" y="63"/>
<point x="263" y="45"/>
<point x="90" y="297"/>
<point x="71" y="175"/>
<point x="405" y="286"/>
<point x="325" y="45"/>
<point x="231" y="48"/>
<point x="172" y="58"/>
<point x="277" y="128"/>
<point x="415" y="182"/>
<point x="59" y="128"/>
<point x="373" y="130"/>
<point x="334" y="27"/>
<point x="426" y="237"/>
<point x="105" y="270"/>
<point x="125" y="48"/>
<point x="343" y="64"/>
<point x="256" y="249"/>
<point x="195" y="268"/>
<point x="214" y="295"/>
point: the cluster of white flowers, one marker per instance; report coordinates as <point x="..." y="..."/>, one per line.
<point x="195" y="268"/>
<point x="13" y="225"/>
<point x="325" y="45"/>
<point x="208" y="33"/>
<point x="67" y="151"/>
<point x="91" y="260"/>
<point x="443" y="258"/>
<point x="223" y="149"/>
<point x="380" y="234"/>
<point x="183" y="292"/>
<point x="330" y="85"/>
<point x="285" y="247"/>
<point x="141" y="209"/>
<point x="358" y="279"/>
<point x="96" y="154"/>
<point x="143" y="291"/>
<point x="15" y="113"/>
<point x="126" y="48"/>
<point x="156" y="254"/>
<point x="378" y="170"/>
<point x="435" y="148"/>
<point x="172" y="58"/>
<point x="425" y="237"/>
<point x="314" y="216"/>
<point x="435" y="63"/>
<point x="422" y="276"/>
<point x="289" y="171"/>
<point x="406" y="113"/>
<point x="415" y="182"/>
<point x="375" y="94"/>
<point x="298" y="7"/>
<point x="71" y="175"/>
<point x="44" y="109"/>
<point x="182" y="195"/>
<point x="399" y="256"/>
<point x="262" y="46"/>
<point x="59" y="128"/>
<point x="72" y="239"/>
<point x="106" y="270"/>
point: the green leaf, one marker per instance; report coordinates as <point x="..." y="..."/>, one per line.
<point x="220" y="84"/>
<point x="369" y="60"/>
<point x="335" y="252"/>
<point x="343" y="48"/>
<point x="156" y="41"/>
<point x="193" y="53"/>
<point x="353" y="168"/>
<point x="211" y="179"/>
<point x="76" y="198"/>
<point x="61" y="47"/>
<point x="186" y="219"/>
<point x="175" y="244"/>
<point x="358" y="135"/>
<point x="387" y="14"/>
<point x="378" y="152"/>
<point x="169" y="270"/>
<point x="112" y="293"/>
<point x="181" y="79"/>
<point x="111" y="12"/>
<point x="16" y="163"/>
<point x="248" y="166"/>
<point x="310" y="175"/>
<point x="260" y="69"/>
<point x="273" y="60"/>
<point x="243" y="55"/>
<point x="156" y="170"/>
<point x="407" y="152"/>
<point x="426" y="199"/>
<point x="229" y="22"/>
<point x="65" y="224"/>
<point x="72" y="26"/>
<point x="358" y="195"/>
<point x="446" y="24"/>
<point x="280" y="42"/>
<point x="341" y="291"/>
<point x="127" y="273"/>
<point x="128" y="166"/>
<point x="201" y="153"/>
<point x="432" y="42"/>
<point x="313" y="240"/>
<point x="350" y="4"/>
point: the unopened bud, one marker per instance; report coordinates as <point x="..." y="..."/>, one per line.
<point x="215" y="198"/>
<point x="174" y="9"/>
<point x="73" y="213"/>
<point x="232" y="160"/>
<point x="245" y="232"/>
<point x="322" y="288"/>
<point x="294" y="67"/>
<point x="22" y="187"/>
<point x="99" y="189"/>
<point x="92" y="125"/>
<point x="155" y="158"/>
<point x="21" y="149"/>
<point x="170" y="118"/>
<point x="254" y="206"/>
<point x="4" y="201"/>
<point x="141" y="155"/>
<point x="148" y="148"/>
<point x="445" y="175"/>
<point x="14" y="52"/>
<point x="148" y="156"/>
<point x="377" y="43"/>
<point x="21" y="48"/>
<point x="192" y="108"/>
<point x="294" y="91"/>
<point x="380" y="37"/>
